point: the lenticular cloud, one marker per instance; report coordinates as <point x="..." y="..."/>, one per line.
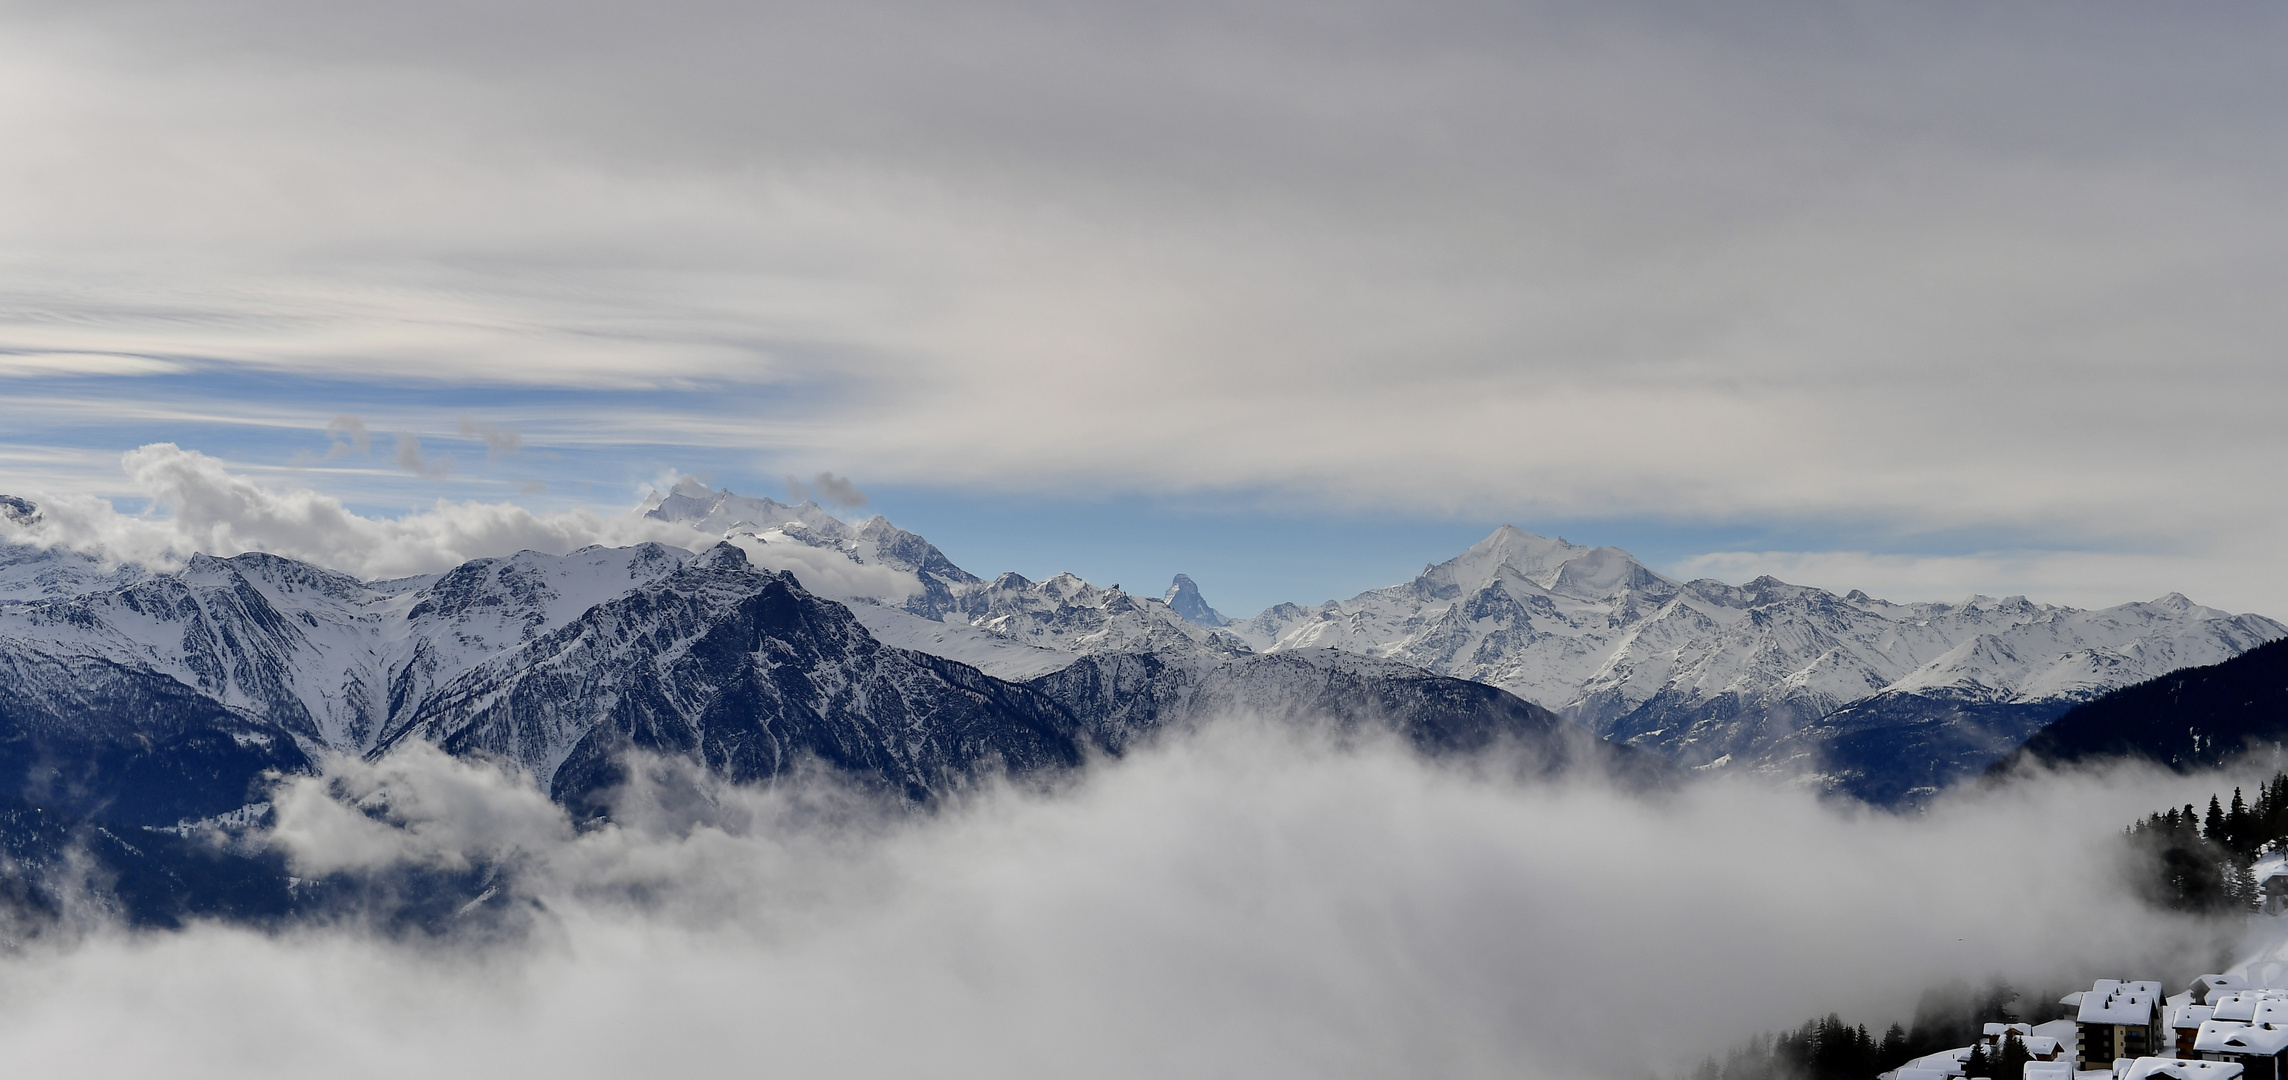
<point x="1248" y="900"/>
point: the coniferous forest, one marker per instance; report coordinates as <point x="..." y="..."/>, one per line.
<point x="2187" y="859"/>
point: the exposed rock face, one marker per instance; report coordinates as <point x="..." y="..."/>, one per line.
<point x="752" y="676"/>
<point x="1184" y="599"/>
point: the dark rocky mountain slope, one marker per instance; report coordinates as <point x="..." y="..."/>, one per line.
<point x="2195" y="718"/>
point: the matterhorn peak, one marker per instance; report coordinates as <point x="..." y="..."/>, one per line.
<point x="1185" y="600"/>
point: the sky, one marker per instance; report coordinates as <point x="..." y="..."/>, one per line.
<point x="1295" y="298"/>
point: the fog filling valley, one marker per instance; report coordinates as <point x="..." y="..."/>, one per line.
<point x="1246" y="900"/>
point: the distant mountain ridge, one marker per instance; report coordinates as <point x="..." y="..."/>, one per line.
<point x="1881" y="701"/>
<point x="1878" y="700"/>
<point x="150" y="698"/>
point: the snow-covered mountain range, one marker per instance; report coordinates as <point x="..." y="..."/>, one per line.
<point x="784" y="633"/>
<point x="1764" y="675"/>
<point x="1852" y="693"/>
<point x="149" y="697"/>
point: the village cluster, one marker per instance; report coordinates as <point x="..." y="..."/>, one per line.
<point x="2220" y="1028"/>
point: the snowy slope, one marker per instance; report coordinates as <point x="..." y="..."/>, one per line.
<point x="323" y="655"/>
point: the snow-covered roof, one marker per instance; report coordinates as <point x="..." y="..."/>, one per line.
<point x="1996" y="1031"/>
<point x="2227" y="1037"/>
<point x="2072" y="998"/>
<point x="2208" y="988"/>
<point x="2161" y="1068"/>
<point x="2191" y="1016"/>
<point x="2121" y="1007"/>
<point x="2049" y="1070"/>
<point x="1909" y="1072"/>
<point x="1943" y="1063"/>
<point x="2040" y="1045"/>
<point x="2239" y="1005"/>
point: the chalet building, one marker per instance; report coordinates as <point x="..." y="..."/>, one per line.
<point x="2275" y="886"/>
<point x="2118" y="1020"/>
<point x="2185" y="1026"/>
<point x="2256" y="1048"/>
<point x="2220" y="1028"/>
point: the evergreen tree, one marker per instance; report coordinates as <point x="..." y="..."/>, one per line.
<point x="1977" y="1065"/>
<point x="2237" y="834"/>
<point x="2212" y="826"/>
<point x="2272" y="826"/>
<point x="1893" y="1052"/>
<point x="2010" y="1064"/>
<point x="2242" y="888"/>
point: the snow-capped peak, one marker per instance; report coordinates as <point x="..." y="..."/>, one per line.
<point x="1184" y="599"/>
<point x="1554" y="564"/>
<point x="716" y="512"/>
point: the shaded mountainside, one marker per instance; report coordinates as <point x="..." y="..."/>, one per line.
<point x="1895" y="749"/>
<point x="1123" y="699"/>
<point x="752" y="676"/>
<point x="93" y="738"/>
<point x="2186" y="720"/>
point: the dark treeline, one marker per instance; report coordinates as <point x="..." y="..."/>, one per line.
<point x="1829" y="1049"/>
<point x="2190" y="860"/>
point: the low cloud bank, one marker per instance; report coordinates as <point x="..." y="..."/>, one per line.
<point x="207" y="508"/>
<point x="1247" y="901"/>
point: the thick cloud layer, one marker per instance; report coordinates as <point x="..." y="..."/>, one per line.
<point x="1250" y="902"/>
